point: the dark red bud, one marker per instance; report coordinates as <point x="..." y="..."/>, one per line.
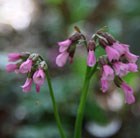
<point x="110" y="39"/>
<point x="75" y="37"/>
<point x="91" y="45"/>
<point x="103" y="43"/>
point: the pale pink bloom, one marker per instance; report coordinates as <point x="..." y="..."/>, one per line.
<point x="14" y="57"/>
<point x="128" y="91"/>
<point x="108" y="73"/>
<point x="132" y="67"/>
<point x="91" y="59"/>
<point x="131" y="57"/>
<point x="112" y="53"/>
<point x="61" y="59"/>
<point x="39" y="78"/>
<point x="11" y="67"/>
<point x="104" y="85"/>
<point x="121" y="69"/>
<point x="26" y="66"/>
<point x="27" y="85"/>
<point x="121" y="48"/>
<point x="64" y="45"/>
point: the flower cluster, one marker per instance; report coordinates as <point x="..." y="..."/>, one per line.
<point x="117" y="62"/>
<point x="67" y="49"/>
<point x="32" y="65"/>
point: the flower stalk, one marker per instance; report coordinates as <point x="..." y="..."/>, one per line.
<point x="80" y="112"/>
<point x="61" y="131"/>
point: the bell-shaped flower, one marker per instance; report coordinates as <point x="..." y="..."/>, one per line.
<point x="14" y="57"/>
<point x="39" y="78"/>
<point x="91" y="59"/>
<point x="121" y="69"/>
<point x="131" y="57"/>
<point x="11" y="67"/>
<point x="108" y="73"/>
<point x="61" y="59"/>
<point x="27" y="85"/>
<point x="128" y="91"/>
<point x="104" y="85"/>
<point x="26" y="66"/>
<point x="112" y="54"/>
<point x="120" y="48"/>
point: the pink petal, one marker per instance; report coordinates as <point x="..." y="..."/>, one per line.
<point x="112" y="53"/>
<point x="120" y="68"/>
<point x="64" y="45"/>
<point x="27" y="85"/>
<point x="26" y="66"/>
<point x="14" y="57"/>
<point x="121" y="48"/>
<point x="108" y="73"/>
<point x="39" y="77"/>
<point x="104" y="85"/>
<point x="131" y="57"/>
<point x="128" y="91"/>
<point x="11" y="67"/>
<point x="91" y="59"/>
<point x="132" y="67"/>
<point x="61" y="59"/>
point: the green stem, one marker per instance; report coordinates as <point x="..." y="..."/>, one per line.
<point x="61" y="131"/>
<point x="78" y="123"/>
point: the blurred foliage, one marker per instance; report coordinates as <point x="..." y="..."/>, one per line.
<point x="30" y="115"/>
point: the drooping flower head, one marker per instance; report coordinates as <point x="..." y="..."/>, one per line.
<point x="121" y="62"/>
<point x="67" y="49"/>
<point x="33" y="66"/>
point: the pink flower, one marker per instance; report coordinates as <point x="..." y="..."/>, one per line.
<point x="27" y="85"/>
<point x="61" y="59"/>
<point x="112" y="53"/>
<point x="104" y="85"/>
<point x="39" y="78"/>
<point x="26" y="66"/>
<point x="128" y="91"/>
<point x="11" y="67"/>
<point x="120" y="68"/>
<point x="132" y="67"/>
<point x="131" y="57"/>
<point x="108" y="73"/>
<point x="91" y="59"/>
<point x="64" y="45"/>
<point x="121" y="48"/>
<point x="14" y="57"/>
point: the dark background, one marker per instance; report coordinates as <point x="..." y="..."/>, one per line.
<point x="37" y="26"/>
